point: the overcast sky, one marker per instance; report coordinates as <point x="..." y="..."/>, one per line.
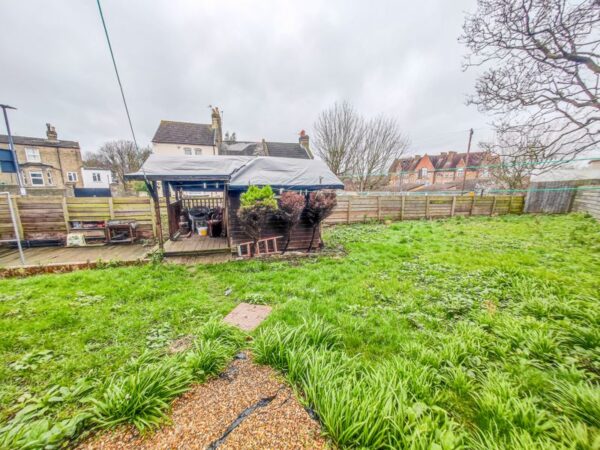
<point x="271" y="66"/>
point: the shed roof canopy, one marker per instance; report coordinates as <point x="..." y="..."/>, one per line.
<point x="239" y="172"/>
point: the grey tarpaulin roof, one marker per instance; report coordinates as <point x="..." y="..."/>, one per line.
<point x="239" y="171"/>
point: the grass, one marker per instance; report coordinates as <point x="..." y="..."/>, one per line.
<point x="481" y="332"/>
<point x="139" y="393"/>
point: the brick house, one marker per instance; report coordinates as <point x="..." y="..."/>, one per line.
<point x="445" y="168"/>
<point x="45" y="164"/>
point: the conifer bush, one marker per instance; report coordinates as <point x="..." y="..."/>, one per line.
<point x="256" y="206"/>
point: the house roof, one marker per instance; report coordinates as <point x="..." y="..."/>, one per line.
<point x="287" y="150"/>
<point x="442" y="161"/>
<point x="38" y="142"/>
<point x="241" y="149"/>
<point x="170" y="132"/>
<point x="275" y="149"/>
<point x="239" y="171"/>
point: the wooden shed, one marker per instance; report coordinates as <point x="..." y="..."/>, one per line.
<point x="215" y="183"/>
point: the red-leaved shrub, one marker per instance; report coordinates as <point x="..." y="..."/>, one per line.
<point x="319" y="206"/>
<point x="291" y="204"/>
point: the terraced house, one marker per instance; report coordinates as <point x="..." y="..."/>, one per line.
<point x="174" y="138"/>
<point x="46" y="164"/>
<point x="446" y="170"/>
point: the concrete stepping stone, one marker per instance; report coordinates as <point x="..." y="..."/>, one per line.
<point x="247" y="316"/>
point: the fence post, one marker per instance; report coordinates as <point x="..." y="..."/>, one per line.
<point x="472" y="205"/>
<point x="509" y="204"/>
<point x="379" y="208"/>
<point x="111" y="210"/>
<point x="65" y="208"/>
<point x="402" y="208"/>
<point x="493" y="206"/>
<point x="153" y="216"/>
<point x="348" y="212"/>
<point x="426" y="206"/>
<point x="17" y="214"/>
<point x="453" y="207"/>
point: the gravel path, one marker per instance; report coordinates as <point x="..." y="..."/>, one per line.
<point x="202" y="416"/>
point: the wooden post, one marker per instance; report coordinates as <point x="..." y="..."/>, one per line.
<point x="426" y="206"/>
<point x="156" y="203"/>
<point x="493" y="206"/>
<point x="111" y="208"/>
<point x="379" y="208"/>
<point x="349" y="208"/>
<point x="153" y="218"/>
<point x="472" y="205"/>
<point x="65" y="208"/>
<point x="17" y="215"/>
<point x="402" y="208"/>
<point x="509" y="204"/>
<point x="453" y="207"/>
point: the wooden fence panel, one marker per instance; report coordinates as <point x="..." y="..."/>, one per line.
<point x="41" y="217"/>
<point x="6" y="227"/>
<point x="587" y="199"/>
<point x="355" y="209"/>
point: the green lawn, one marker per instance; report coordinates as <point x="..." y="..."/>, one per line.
<point x="508" y="306"/>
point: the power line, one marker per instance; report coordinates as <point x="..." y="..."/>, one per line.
<point x="112" y="55"/>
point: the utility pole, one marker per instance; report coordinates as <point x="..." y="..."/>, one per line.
<point x="467" y="160"/>
<point x="11" y="146"/>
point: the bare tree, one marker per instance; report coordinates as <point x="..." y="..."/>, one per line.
<point x="542" y="74"/>
<point x="513" y="169"/>
<point x="381" y="143"/>
<point x="120" y="157"/>
<point x="338" y="132"/>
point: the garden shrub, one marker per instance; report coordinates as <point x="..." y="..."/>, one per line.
<point x="291" y="204"/>
<point x="320" y="205"/>
<point x="256" y="205"/>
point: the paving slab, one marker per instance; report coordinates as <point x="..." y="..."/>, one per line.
<point x="247" y="316"/>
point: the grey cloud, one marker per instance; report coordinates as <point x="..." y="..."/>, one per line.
<point x="270" y="65"/>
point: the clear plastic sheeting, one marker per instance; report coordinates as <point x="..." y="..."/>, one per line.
<point x="239" y="172"/>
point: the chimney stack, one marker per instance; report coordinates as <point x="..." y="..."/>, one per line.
<point x="303" y="140"/>
<point x="443" y="154"/>
<point x="51" y="133"/>
<point x="216" y="124"/>
<point x="417" y="157"/>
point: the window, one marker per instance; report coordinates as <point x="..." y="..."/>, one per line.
<point x="72" y="176"/>
<point x="37" y="178"/>
<point x="33" y="155"/>
<point x="96" y="177"/>
<point x="423" y="173"/>
<point x="197" y="151"/>
<point x="187" y="151"/>
<point x="49" y="177"/>
<point x="459" y="172"/>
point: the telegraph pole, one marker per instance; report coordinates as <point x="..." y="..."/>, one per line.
<point x="11" y="146"/>
<point x="467" y="160"/>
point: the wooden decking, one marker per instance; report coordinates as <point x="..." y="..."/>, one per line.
<point x="44" y="256"/>
<point x="196" y="245"/>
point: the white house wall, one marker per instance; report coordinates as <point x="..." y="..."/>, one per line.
<point x="179" y="149"/>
